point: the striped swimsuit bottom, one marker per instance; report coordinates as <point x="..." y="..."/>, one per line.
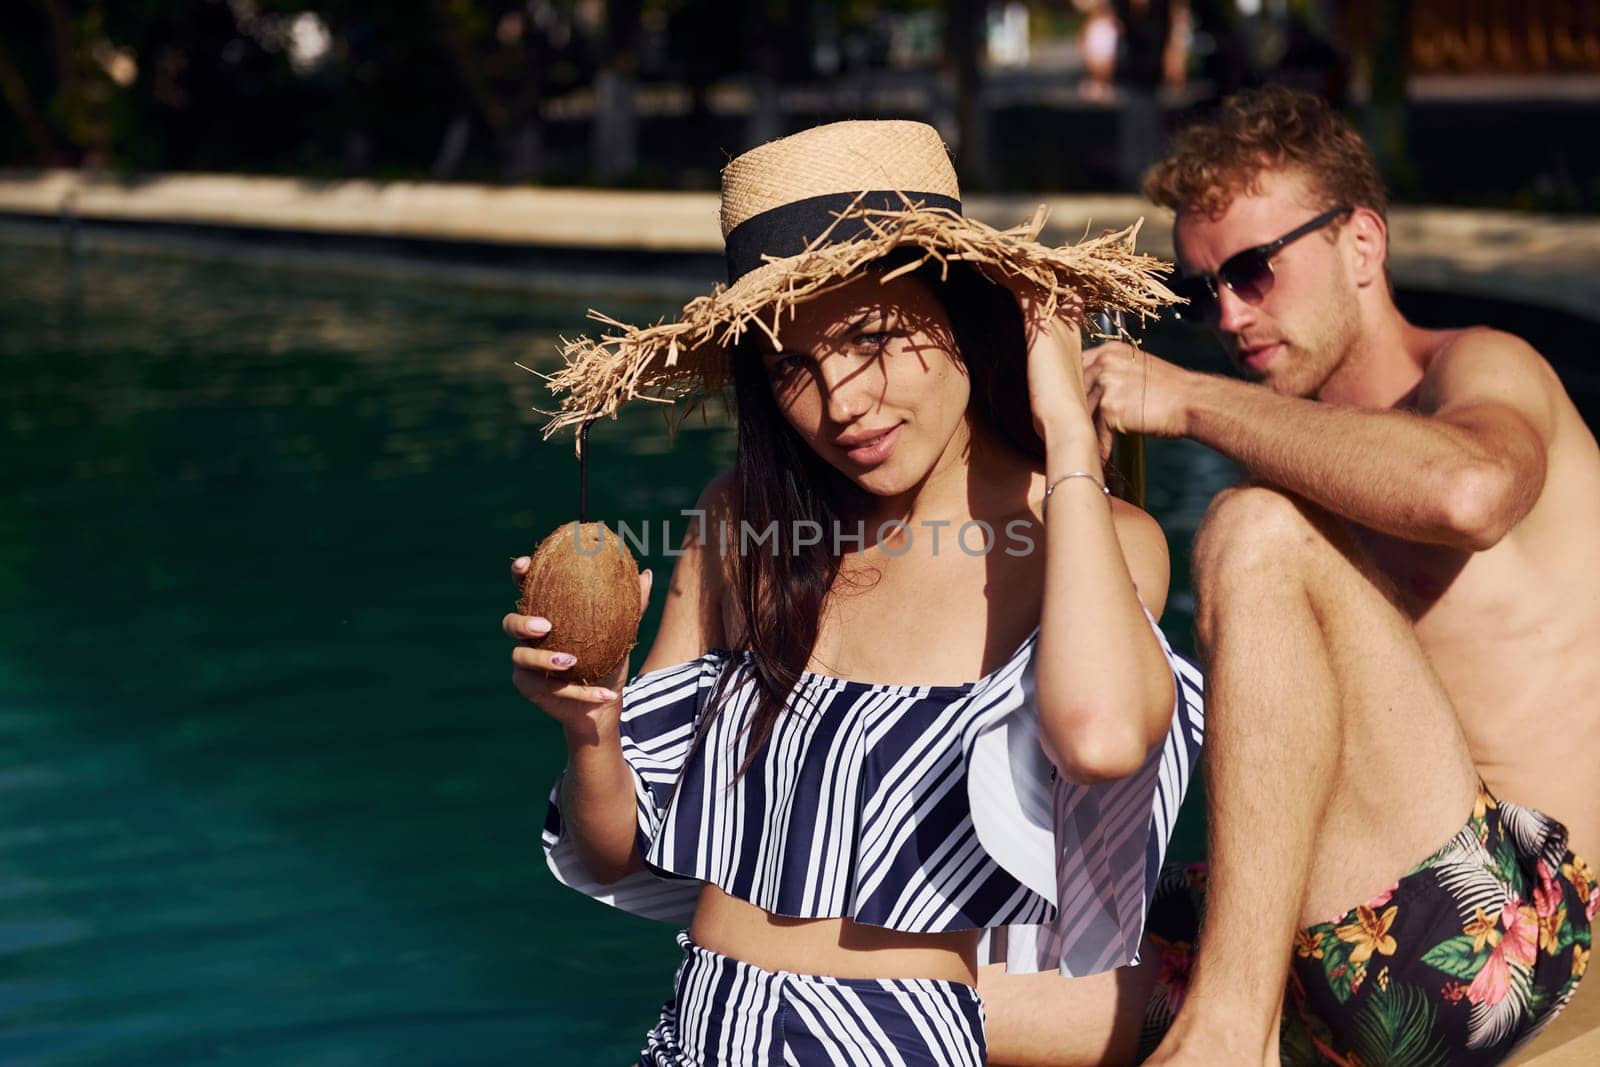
<point x="725" y="1011"/>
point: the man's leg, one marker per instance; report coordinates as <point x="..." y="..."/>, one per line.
<point x="1042" y="1020"/>
<point x="1334" y="761"/>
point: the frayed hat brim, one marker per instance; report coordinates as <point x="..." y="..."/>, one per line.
<point x="681" y="362"/>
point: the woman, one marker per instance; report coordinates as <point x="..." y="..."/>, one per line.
<point x="804" y="770"/>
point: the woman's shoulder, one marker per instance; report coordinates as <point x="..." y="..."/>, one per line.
<point x="694" y="612"/>
<point x="720" y="491"/>
<point x="718" y="519"/>
<point x="718" y="510"/>
<point x="1133" y="521"/>
<point x="1144" y="548"/>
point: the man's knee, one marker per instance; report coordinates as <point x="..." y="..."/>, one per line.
<point x="1252" y="529"/>
<point x="1255" y="545"/>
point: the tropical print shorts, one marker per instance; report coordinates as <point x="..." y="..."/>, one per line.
<point x="1459" y="962"/>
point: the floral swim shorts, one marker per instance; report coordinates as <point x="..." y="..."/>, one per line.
<point x="1459" y="962"/>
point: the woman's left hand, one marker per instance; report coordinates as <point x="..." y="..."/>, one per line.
<point x="1055" y="360"/>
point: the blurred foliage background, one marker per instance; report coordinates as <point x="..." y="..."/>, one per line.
<point x="659" y="92"/>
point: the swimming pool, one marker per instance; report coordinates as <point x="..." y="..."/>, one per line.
<point x="268" y="796"/>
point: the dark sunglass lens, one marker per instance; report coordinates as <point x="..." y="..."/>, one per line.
<point x="1198" y="294"/>
<point x="1248" y="274"/>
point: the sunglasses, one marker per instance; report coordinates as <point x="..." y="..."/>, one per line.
<point x="1248" y="273"/>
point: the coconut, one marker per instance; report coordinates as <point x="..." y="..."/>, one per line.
<point x="585" y="582"/>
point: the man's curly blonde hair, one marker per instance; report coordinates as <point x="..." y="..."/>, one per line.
<point x="1261" y="130"/>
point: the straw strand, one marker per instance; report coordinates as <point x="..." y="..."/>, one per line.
<point x="686" y="360"/>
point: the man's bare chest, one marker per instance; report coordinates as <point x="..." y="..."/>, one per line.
<point x="1419" y="577"/>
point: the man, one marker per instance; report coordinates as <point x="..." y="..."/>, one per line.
<point x="1404" y="599"/>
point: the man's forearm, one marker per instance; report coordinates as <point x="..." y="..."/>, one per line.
<point x="1394" y="472"/>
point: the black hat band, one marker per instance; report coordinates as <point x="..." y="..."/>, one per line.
<point x="786" y="230"/>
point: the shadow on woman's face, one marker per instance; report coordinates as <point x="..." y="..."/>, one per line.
<point x="866" y="359"/>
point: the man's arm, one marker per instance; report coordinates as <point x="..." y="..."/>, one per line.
<point x="1462" y="471"/>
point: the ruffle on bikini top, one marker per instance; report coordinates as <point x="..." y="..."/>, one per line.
<point x="917" y="808"/>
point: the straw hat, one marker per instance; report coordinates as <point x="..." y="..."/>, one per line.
<point x="801" y="216"/>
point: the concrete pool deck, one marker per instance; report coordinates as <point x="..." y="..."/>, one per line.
<point x="1539" y="260"/>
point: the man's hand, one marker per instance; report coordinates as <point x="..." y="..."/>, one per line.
<point x="1131" y="391"/>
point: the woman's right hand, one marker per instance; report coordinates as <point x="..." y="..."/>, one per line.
<point x="536" y="671"/>
<point x="1056" y="392"/>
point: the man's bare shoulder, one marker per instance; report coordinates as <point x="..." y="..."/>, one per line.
<point x="1482" y="366"/>
<point x="1483" y="362"/>
<point x="1478" y="343"/>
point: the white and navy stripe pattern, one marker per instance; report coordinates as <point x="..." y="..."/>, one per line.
<point x="918" y="808"/>
<point x="724" y="1011"/>
<point x="1100" y="846"/>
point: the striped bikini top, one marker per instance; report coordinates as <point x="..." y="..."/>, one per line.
<point x="917" y="808"/>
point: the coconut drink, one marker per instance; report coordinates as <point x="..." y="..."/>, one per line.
<point x="585" y="581"/>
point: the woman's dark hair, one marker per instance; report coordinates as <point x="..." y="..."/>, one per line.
<point x="779" y="480"/>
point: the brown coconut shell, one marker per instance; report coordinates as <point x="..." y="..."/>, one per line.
<point x="586" y="582"/>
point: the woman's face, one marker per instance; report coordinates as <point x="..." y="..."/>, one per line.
<point x="869" y="376"/>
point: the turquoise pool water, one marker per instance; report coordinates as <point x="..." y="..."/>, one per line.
<point x="266" y="794"/>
